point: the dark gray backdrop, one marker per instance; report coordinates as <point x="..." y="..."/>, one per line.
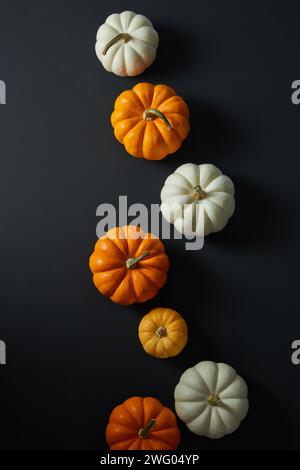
<point x="72" y="354"/>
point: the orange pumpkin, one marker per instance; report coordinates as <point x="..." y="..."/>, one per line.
<point x="163" y="332"/>
<point x="150" y="120"/>
<point x="129" y="265"/>
<point x="142" y="424"/>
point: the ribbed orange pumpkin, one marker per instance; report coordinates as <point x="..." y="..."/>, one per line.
<point x="142" y="424"/>
<point x="129" y="265"/>
<point x="163" y="332"/>
<point x="150" y="120"/>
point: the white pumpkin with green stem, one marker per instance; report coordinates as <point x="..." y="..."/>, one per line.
<point x="126" y="44"/>
<point x="197" y="199"/>
<point x="211" y="399"/>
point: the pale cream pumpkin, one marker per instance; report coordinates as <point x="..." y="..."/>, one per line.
<point x="211" y="399"/>
<point x="198" y="199"/>
<point x="126" y="43"/>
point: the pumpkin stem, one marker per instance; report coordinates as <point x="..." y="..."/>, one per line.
<point x="145" y="431"/>
<point x="199" y="193"/>
<point x="125" y="36"/>
<point x="161" y="332"/>
<point x="214" y="400"/>
<point x="131" y="262"/>
<point x="152" y="113"/>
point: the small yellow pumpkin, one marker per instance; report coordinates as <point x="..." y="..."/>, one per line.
<point x="163" y="332"/>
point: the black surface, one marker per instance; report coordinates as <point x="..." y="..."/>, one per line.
<point x="72" y="355"/>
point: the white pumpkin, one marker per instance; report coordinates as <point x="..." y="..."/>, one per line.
<point x="126" y="43"/>
<point x="197" y="199"/>
<point x="211" y="399"/>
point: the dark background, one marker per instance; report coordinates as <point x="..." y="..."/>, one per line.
<point x="72" y="355"/>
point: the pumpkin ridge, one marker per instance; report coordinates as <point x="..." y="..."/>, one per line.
<point x="148" y="323"/>
<point x="152" y="125"/>
<point x="115" y="18"/>
<point x="114" y="291"/>
<point x="123" y="20"/>
<point x="110" y="292"/>
<point x="120" y="288"/>
<point x="217" y="205"/>
<point x="158" y="431"/>
<point x="211" y="172"/>
<point x="158" y="99"/>
<point x="138" y="443"/>
<point x="193" y="388"/>
<point x="210" y="220"/>
<point x="163" y="440"/>
<point x="228" y="214"/>
<point x="178" y="115"/>
<point x="163" y="346"/>
<point x="140" y="99"/>
<point x="142" y="40"/>
<point x="150" y="266"/>
<point x="156" y="123"/>
<point x="227" y="384"/>
<point x="129" y="126"/>
<point x="140" y="139"/>
<point x="211" y="389"/>
<point x="125" y="444"/>
<point x="149" y="279"/>
<point x="192" y="400"/>
<point x="174" y="343"/>
<point x="130" y="411"/>
<point x="133" y="250"/>
<point x="135" y="50"/>
<point x="156" y="250"/>
<point x="183" y="176"/>
<point x="146" y="403"/>
<point x="116" y="233"/>
<point x="129" y="101"/>
<point x="114" y="30"/>
<point x="125" y="428"/>
<point x="113" y="53"/>
<point x="178" y="323"/>
<point x="99" y="247"/>
<point x="147" y="337"/>
<point x="132" y="285"/>
<point x="173" y="113"/>
<point x="185" y="114"/>
<point x="180" y="188"/>
<point x="125" y="233"/>
<point x="147" y="25"/>
<point x="225" y="430"/>
<point x="205" y="409"/>
<point x="200" y="375"/>
<point x="231" y="411"/>
<point x="151" y="342"/>
<point x="182" y="181"/>
<point x="109" y="259"/>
